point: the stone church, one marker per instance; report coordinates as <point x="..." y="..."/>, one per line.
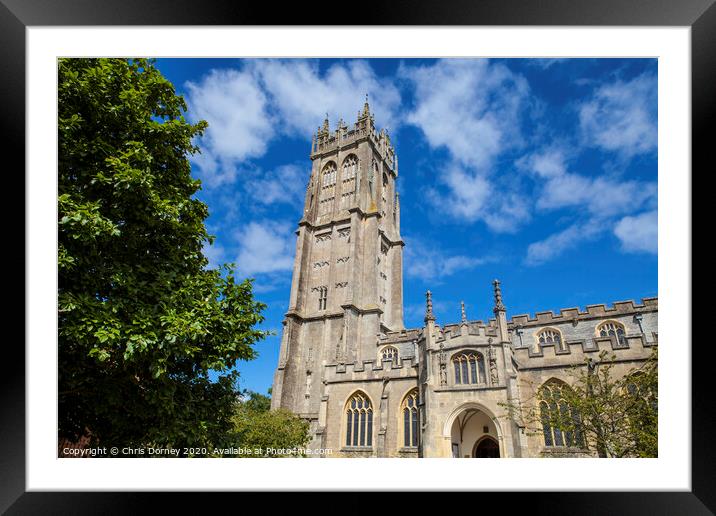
<point x="371" y="387"/>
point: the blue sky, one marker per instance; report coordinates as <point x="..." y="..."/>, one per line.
<point x="539" y="172"/>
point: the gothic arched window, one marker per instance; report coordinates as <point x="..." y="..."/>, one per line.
<point x="550" y="336"/>
<point x="350" y="172"/>
<point x="328" y="176"/>
<point x="612" y="328"/>
<point x="328" y="188"/>
<point x="389" y="353"/>
<point x="359" y="421"/>
<point x="561" y="423"/>
<point x="469" y="368"/>
<point x="409" y="410"/>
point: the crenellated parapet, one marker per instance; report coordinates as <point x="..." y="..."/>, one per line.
<point x="633" y="348"/>
<point x="648" y="304"/>
<point x="474" y="328"/>
<point x="626" y="329"/>
<point x="371" y="370"/>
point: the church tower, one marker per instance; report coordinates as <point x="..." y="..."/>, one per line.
<point x="347" y="284"/>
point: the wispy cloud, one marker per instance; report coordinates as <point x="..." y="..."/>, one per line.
<point x="556" y="244"/>
<point x="474" y="109"/>
<point x="467" y="194"/>
<point x="545" y="62"/>
<point x="596" y="201"/>
<point x="602" y="196"/>
<point x="622" y="117"/>
<point x="285" y="184"/>
<point x="431" y="265"/>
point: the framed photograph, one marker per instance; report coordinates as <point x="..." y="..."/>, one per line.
<point x="270" y="258"/>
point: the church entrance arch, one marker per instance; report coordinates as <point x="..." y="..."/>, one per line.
<point x="474" y="433"/>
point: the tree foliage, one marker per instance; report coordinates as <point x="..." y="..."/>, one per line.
<point x="258" y="427"/>
<point x="142" y="319"/>
<point x="617" y="415"/>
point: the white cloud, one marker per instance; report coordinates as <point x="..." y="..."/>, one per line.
<point x="638" y="233"/>
<point x="547" y="164"/>
<point x="471" y="196"/>
<point x="430" y="264"/>
<point x="247" y="108"/>
<point x="301" y="95"/>
<point x="601" y="196"/>
<point x="285" y="184"/>
<point x="235" y="107"/>
<point x="554" y="245"/>
<point x="508" y="211"/>
<point x="621" y="117"/>
<point x="467" y="196"/>
<point x="472" y="107"/>
<point x="265" y="247"/>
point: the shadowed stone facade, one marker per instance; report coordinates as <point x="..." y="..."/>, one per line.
<point x="372" y="388"/>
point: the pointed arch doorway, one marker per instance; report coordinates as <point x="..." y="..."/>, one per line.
<point x="486" y="448"/>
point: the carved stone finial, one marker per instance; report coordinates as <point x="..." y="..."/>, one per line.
<point x="326" y="124"/>
<point x="463" y="315"/>
<point x="498" y="295"/>
<point x="429" y="307"/>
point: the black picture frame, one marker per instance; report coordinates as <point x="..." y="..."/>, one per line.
<point x="17" y="15"/>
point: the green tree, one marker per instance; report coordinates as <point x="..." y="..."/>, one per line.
<point x="256" y="402"/>
<point x="256" y="426"/>
<point x="142" y="319"/>
<point x="617" y="415"/>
